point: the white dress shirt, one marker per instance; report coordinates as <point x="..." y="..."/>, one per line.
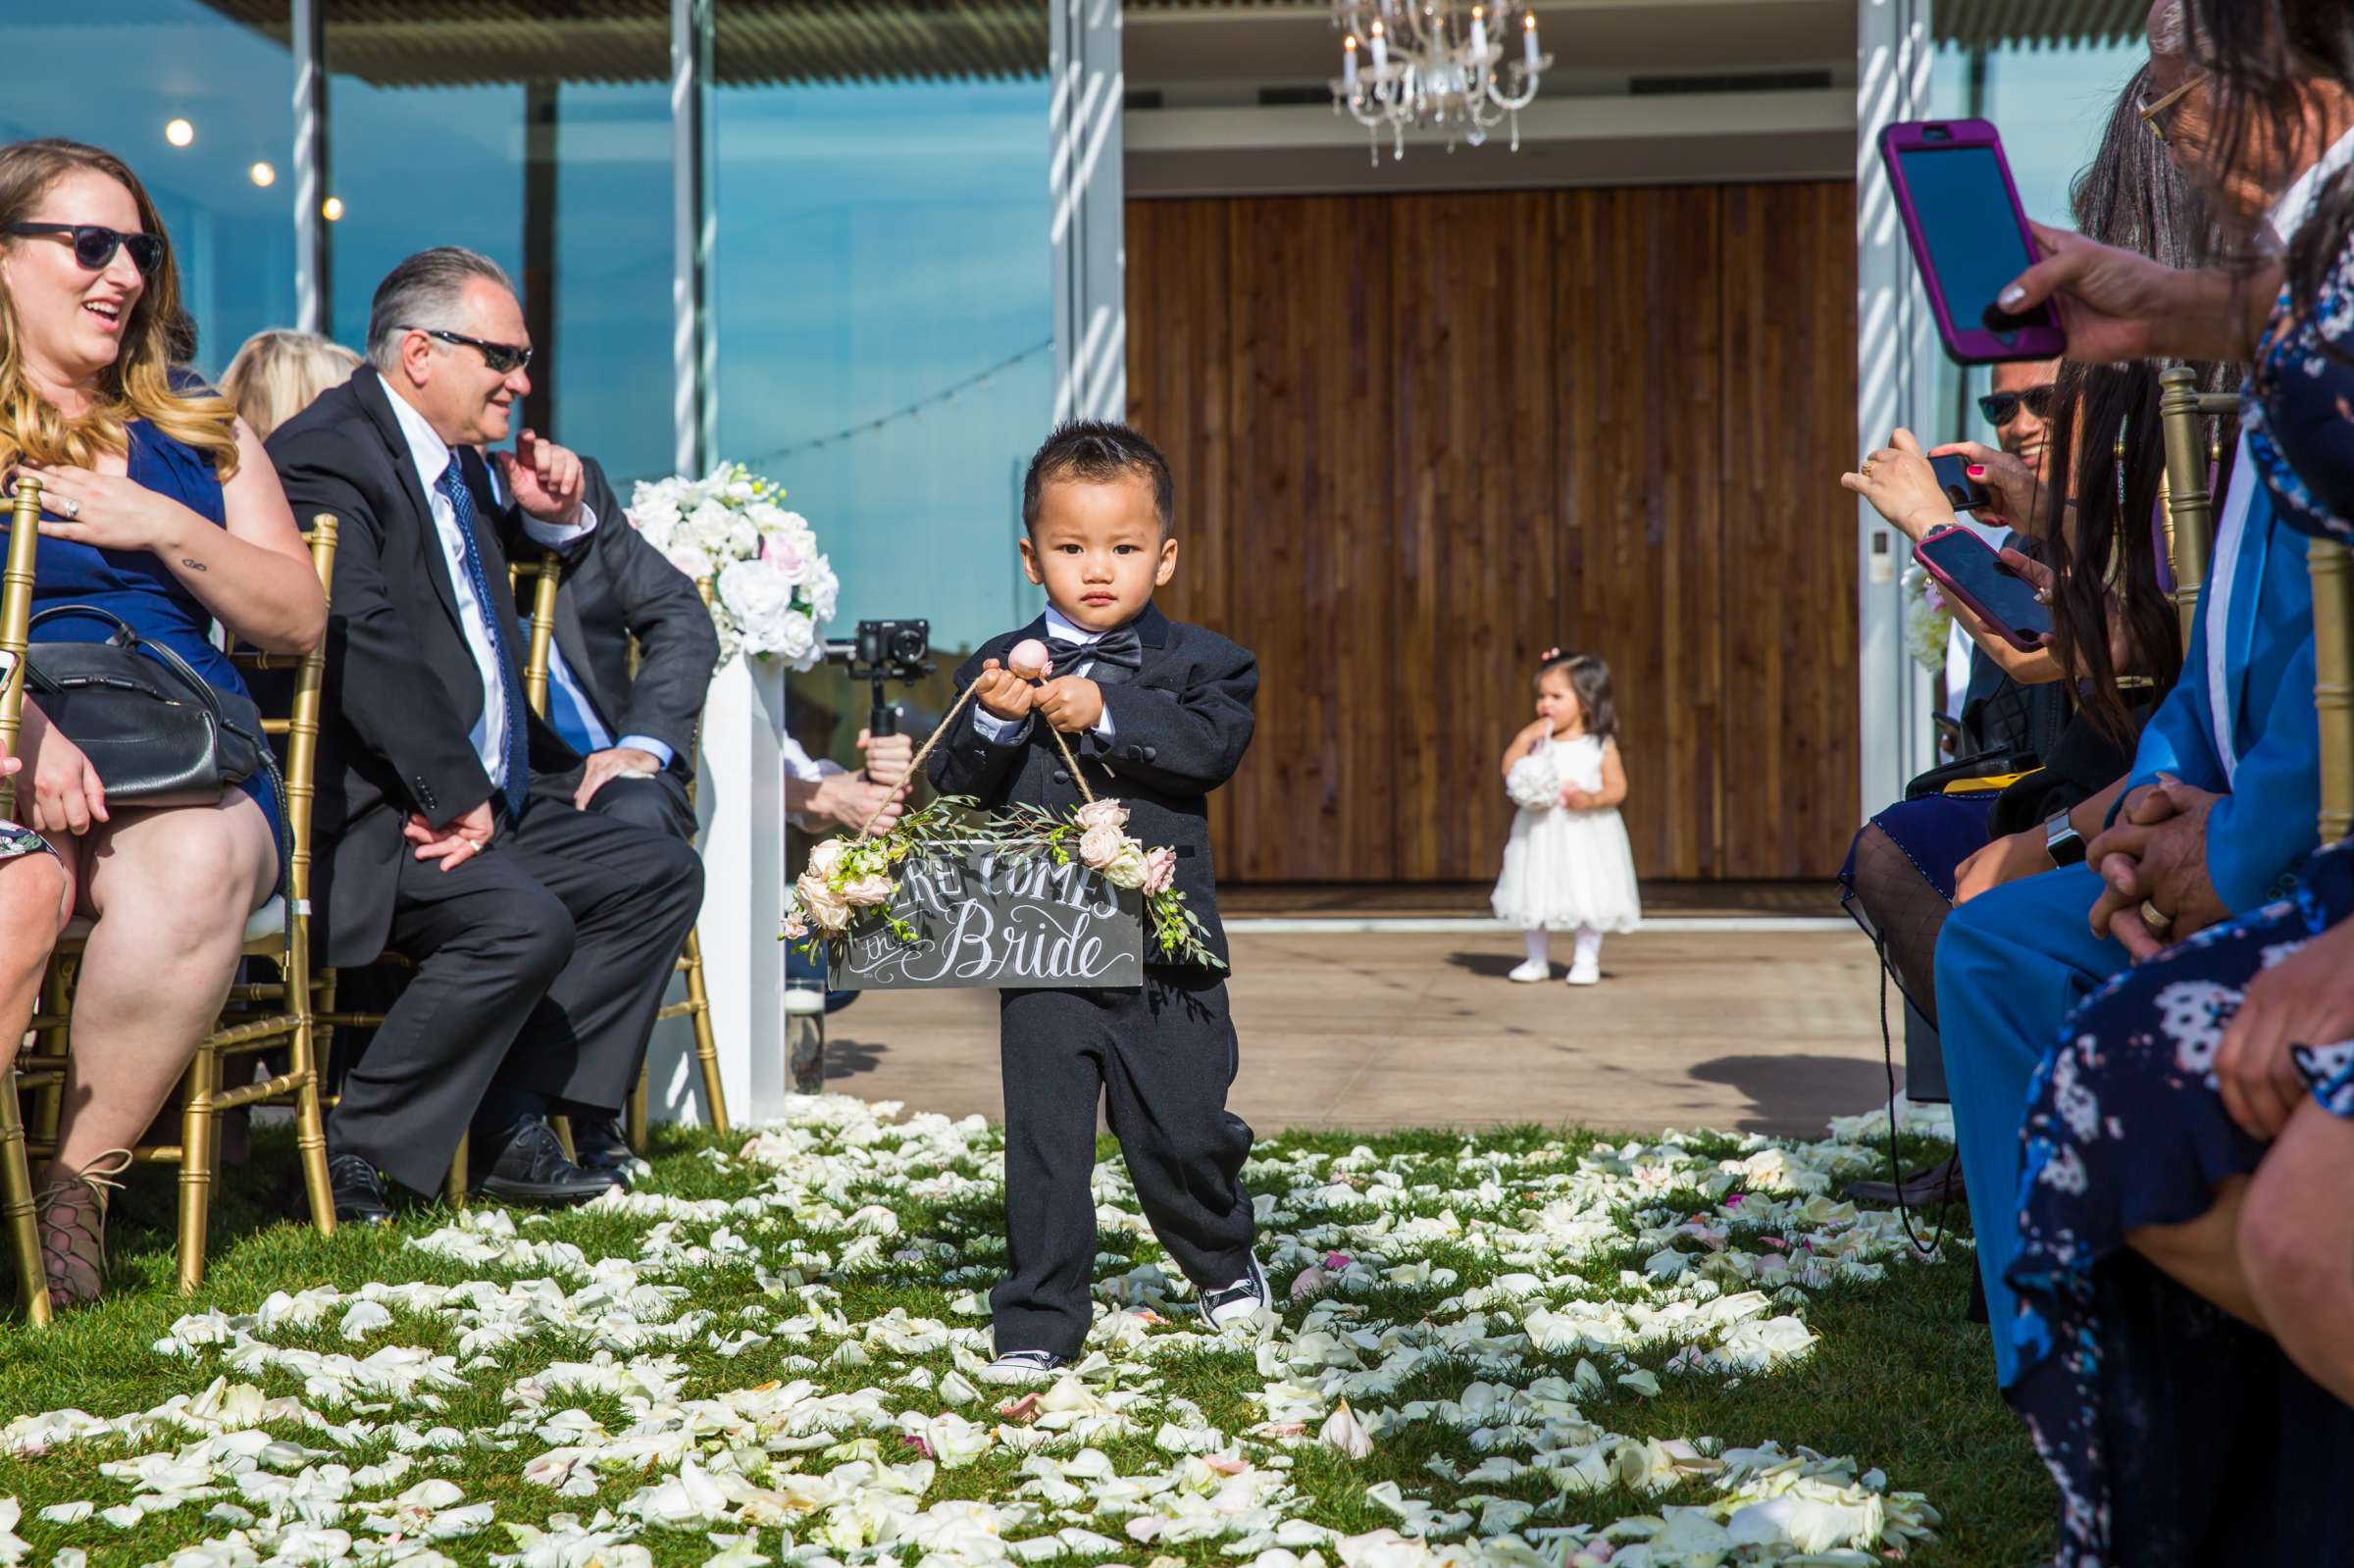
<point x="432" y="455"/>
<point x="2288" y="215"/>
<point x="1061" y="628"/>
<point x="568" y="688"/>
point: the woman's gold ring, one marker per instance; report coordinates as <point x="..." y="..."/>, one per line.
<point x="2158" y="920"/>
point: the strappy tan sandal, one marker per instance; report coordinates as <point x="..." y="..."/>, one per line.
<point x="71" y="1215"/>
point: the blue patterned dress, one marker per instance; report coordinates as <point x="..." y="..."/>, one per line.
<point x="2176" y="1433"/>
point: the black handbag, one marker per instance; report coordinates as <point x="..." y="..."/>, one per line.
<point x="158" y="732"/>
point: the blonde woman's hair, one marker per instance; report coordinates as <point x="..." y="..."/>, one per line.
<point x="277" y="374"/>
<point x="137" y="384"/>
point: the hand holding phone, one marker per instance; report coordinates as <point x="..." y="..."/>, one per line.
<point x="1970" y="239"/>
<point x="1901" y="487"/>
<point x="1965" y="493"/>
<point x="1970" y="574"/>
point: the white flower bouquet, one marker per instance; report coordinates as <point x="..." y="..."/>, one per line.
<point x="1928" y="622"/>
<point x="853" y="879"/>
<point x="773" y="590"/>
<point x="1534" y="782"/>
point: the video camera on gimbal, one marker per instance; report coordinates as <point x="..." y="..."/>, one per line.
<point x="883" y="651"/>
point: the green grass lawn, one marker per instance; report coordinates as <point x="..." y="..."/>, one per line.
<point x="1896" y="1379"/>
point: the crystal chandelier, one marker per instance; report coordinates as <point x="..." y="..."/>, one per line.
<point x="1437" y="63"/>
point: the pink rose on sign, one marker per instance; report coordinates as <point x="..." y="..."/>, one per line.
<point x="796" y="927"/>
<point x="825" y="858"/>
<point x="867" y="892"/>
<point x="1101" y="814"/>
<point x="1160" y="870"/>
<point x="1101" y="844"/>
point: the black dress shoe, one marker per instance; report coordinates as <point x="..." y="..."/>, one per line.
<point x="599" y="1146"/>
<point x="530" y="1167"/>
<point x="359" y="1191"/>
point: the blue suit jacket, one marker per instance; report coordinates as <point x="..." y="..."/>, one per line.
<point x="2265" y="822"/>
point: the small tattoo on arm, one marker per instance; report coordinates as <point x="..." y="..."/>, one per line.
<point x="192" y="564"/>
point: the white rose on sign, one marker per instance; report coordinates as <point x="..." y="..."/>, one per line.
<point x="773" y="590"/>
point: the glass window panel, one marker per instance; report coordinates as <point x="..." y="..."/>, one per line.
<point x="550" y="153"/>
<point x="884" y="297"/>
<point x="118" y="76"/>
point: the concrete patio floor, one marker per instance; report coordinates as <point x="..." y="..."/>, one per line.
<point x="1741" y="1029"/>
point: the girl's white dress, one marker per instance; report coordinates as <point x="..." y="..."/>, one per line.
<point x="1565" y="870"/>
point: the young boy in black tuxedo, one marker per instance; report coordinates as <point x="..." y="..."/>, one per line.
<point x="1158" y="713"/>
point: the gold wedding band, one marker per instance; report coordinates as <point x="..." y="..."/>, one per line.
<point x="2158" y="920"/>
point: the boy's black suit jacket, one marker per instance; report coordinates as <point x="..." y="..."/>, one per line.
<point x="1180" y="726"/>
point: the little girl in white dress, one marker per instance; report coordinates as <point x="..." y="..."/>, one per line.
<point x="1568" y="866"/>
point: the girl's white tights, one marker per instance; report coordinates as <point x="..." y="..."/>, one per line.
<point x="1589" y="946"/>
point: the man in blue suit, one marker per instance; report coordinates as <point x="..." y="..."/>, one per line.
<point x="2240" y="727"/>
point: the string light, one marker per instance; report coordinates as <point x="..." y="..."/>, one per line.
<point x="262" y="175"/>
<point x="178" y="132"/>
<point x="921" y="405"/>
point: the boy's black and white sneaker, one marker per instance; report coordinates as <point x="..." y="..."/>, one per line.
<point x="1023" y="1366"/>
<point x="1240" y="1301"/>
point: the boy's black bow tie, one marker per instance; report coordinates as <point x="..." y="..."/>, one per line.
<point x="1115" y="656"/>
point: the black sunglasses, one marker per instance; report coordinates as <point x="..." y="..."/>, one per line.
<point x="504" y="358"/>
<point x="2001" y="408"/>
<point x="95" y="244"/>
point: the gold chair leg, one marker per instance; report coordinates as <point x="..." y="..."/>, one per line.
<point x="310" y="1131"/>
<point x="706" y="1046"/>
<point x="458" y="1171"/>
<point x="635" y="1114"/>
<point x="15" y="1199"/>
<point x="198" y="1155"/>
<point x="57" y="1000"/>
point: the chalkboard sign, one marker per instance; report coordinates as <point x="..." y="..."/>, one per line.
<point x="1002" y="920"/>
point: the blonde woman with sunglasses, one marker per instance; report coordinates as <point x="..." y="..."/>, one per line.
<point x="159" y="510"/>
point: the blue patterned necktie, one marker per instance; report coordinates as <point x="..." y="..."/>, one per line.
<point x="516" y="752"/>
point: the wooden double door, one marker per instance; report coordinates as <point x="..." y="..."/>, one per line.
<point x="1418" y="439"/>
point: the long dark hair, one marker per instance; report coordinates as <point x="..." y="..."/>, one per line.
<point x="1590" y="682"/>
<point x="2108" y="444"/>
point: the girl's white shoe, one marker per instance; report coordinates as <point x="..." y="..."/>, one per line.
<point x="1585" y="974"/>
<point x="1531" y="973"/>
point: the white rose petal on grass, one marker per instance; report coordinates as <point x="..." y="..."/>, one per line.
<point x="1342" y="1430"/>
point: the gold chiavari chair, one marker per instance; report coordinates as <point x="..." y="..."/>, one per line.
<point x="2334" y="680"/>
<point x="16" y="1173"/>
<point x="258" y="1017"/>
<point x="696" y="1004"/>
<point x="2190" y="504"/>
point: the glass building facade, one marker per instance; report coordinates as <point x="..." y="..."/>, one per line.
<point x="868" y="312"/>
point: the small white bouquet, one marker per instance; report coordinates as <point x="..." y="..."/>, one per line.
<point x="1928" y="622"/>
<point x="773" y="590"/>
<point x="1534" y="782"/>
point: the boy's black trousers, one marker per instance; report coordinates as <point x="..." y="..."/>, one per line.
<point x="1160" y="1060"/>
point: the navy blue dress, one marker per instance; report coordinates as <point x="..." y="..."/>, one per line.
<point x="137" y="587"/>
<point x="2176" y="1433"/>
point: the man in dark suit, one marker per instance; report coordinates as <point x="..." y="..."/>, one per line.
<point x="542" y="935"/>
<point x="636" y="732"/>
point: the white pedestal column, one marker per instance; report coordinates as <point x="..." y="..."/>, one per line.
<point x="741" y="799"/>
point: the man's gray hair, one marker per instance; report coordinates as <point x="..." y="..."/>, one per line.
<point x="424" y="291"/>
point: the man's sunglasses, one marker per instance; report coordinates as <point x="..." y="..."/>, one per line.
<point x="2001" y="408"/>
<point x="2152" y="113"/>
<point x="504" y="358"/>
<point x="94" y="244"/>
